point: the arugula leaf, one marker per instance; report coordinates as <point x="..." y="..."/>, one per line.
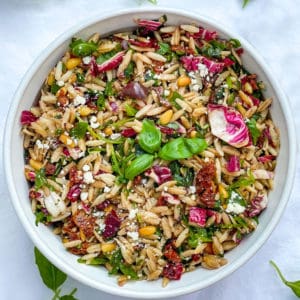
<point x="243" y="182"/>
<point x="100" y="102"/>
<point x="130" y="111"/>
<point x="235" y="197"/>
<point x="41" y="217"/>
<point x="54" y="88"/>
<point x="164" y="48"/>
<point x="106" y="56"/>
<point x="172" y="99"/>
<point x="129" y="70"/>
<point x="115" y="262"/>
<point x="196" y="235"/>
<point x="109" y="89"/>
<point x="40" y="179"/>
<point x="80" y="77"/>
<point x="255" y="133"/>
<point x="128" y="271"/>
<point x="79" y="130"/>
<point x="52" y="277"/>
<point x="294" y="285"/>
<point x="183" y="176"/>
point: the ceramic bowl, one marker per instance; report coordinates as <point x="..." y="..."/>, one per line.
<point x="51" y="246"/>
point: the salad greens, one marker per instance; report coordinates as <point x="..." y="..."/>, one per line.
<point x="81" y="48"/>
<point x="139" y="165"/>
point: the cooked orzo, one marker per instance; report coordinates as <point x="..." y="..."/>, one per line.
<point x="151" y="152"/>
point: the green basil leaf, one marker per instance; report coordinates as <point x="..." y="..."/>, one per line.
<point x="79" y="130"/>
<point x="139" y="165"/>
<point x="52" y="277"/>
<point x="67" y="297"/>
<point x="181" y="148"/>
<point x="82" y="48"/>
<point x="294" y="285"/>
<point x="80" y="77"/>
<point x="183" y="176"/>
<point x="150" y="137"/>
<point x="54" y="88"/>
<point x="245" y="3"/>
<point x="255" y="133"/>
<point x="235" y="43"/>
<point x="164" y="48"/>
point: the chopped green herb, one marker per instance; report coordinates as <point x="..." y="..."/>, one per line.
<point x="79" y="130"/>
<point x="130" y="111"/>
<point x="129" y="70"/>
<point x="54" y="88"/>
<point x="40" y="179"/>
<point x="255" y="133"/>
<point x="80" y="77"/>
<point x="128" y="271"/>
<point x="100" y="102"/>
<point x="81" y="48"/>
<point x="197" y="235"/>
<point x="243" y="182"/>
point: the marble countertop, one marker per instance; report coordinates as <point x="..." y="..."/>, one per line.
<point x="272" y="26"/>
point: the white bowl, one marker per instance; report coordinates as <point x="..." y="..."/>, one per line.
<point x="97" y="277"/>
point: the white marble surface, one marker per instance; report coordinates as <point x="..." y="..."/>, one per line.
<point x="272" y="26"/>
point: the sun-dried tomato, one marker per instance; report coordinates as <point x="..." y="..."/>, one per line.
<point x="80" y="250"/>
<point x="50" y="169"/>
<point x="205" y="186"/>
<point x="85" y="222"/>
<point x="74" y="193"/>
<point x="173" y="270"/>
<point x="171" y="254"/>
<point x="75" y="176"/>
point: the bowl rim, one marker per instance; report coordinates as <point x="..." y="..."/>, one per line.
<point x="122" y="291"/>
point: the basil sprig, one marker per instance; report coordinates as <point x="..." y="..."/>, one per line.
<point x="182" y="148"/>
<point x="81" y="48"/>
<point x="150" y="137"/>
<point x="293" y="285"/>
<point x="139" y="165"/>
<point x="52" y="277"/>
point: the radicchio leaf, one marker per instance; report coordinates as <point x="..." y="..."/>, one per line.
<point x="233" y="164"/>
<point x="197" y="216"/>
<point x="135" y="90"/>
<point x="159" y="174"/>
<point x="257" y="205"/>
<point x="27" y="117"/>
<point x="111" y="63"/>
<point x="227" y="124"/>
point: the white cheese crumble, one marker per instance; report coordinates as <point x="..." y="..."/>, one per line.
<point x="54" y="204"/>
<point x="85" y="168"/>
<point x="132" y="213"/>
<point x="84" y="196"/>
<point x="60" y="83"/>
<point x="88" y="177"/>
<point x="93" y="122"/>
<point x="115" y="136"/>
<point x="235" y="208"/>
<point x="106" y="189"/>
<point x="79" y="100"/>
<point x="40" y="145"/>
<point x="192" y="189"/>
<point x="86" y="60"/>
<point x="166" y="93"/>
<point x="101" y="226"/>
<point x="203" y="71"/>
<point x="165" y="188"/>
<point x="134" y="235"/>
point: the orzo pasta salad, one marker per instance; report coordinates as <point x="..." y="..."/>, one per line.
<point x="152" y="151"/>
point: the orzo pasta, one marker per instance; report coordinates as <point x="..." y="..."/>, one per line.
<point x="151" y="152"/>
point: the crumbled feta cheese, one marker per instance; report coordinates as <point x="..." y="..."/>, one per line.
<point x="165" y="188"/>
<point x="54" y="204"/>
<point x="86" y="60"/>
<point x="39" y="144"/>
<point x="79" y="100"/>
<point x="192" y="189"/>
<point x="132" y="213"/>
<point x="166" y="93"/>
<point x="60" y="83"/>
<point x="196" y="87"/>
<point x="84" y="196"/>
<point x="101" y="226"/>
<point x="106" y="189"/>
<point x="134" y="235"/>
<point x="203" y="71"/>
<point x="95" y="125"/>
<point x="235" y="208"/>
<point x="144" y="181"/>
<point x="93" y="119"/>
<point x="115" y="136"/>
<point x="88" y="177"/>
<point x="193" y="197"/>
<point x="85" y="168"/>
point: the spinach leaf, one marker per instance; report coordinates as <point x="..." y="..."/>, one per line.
<point x="79" y="130"/>
<point x="181" y="148"/>
<point x="255" y="133"/>
<point x="115" y="262"/>
<point x="52" y="277"/>
<point x="139" y="165"/>
<point x="294" y="285"/>
<point x="235" y="43"/>
<point x="150" y="137"/>
<point x="164" y="48"/>
<point x="81" y="48"/>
